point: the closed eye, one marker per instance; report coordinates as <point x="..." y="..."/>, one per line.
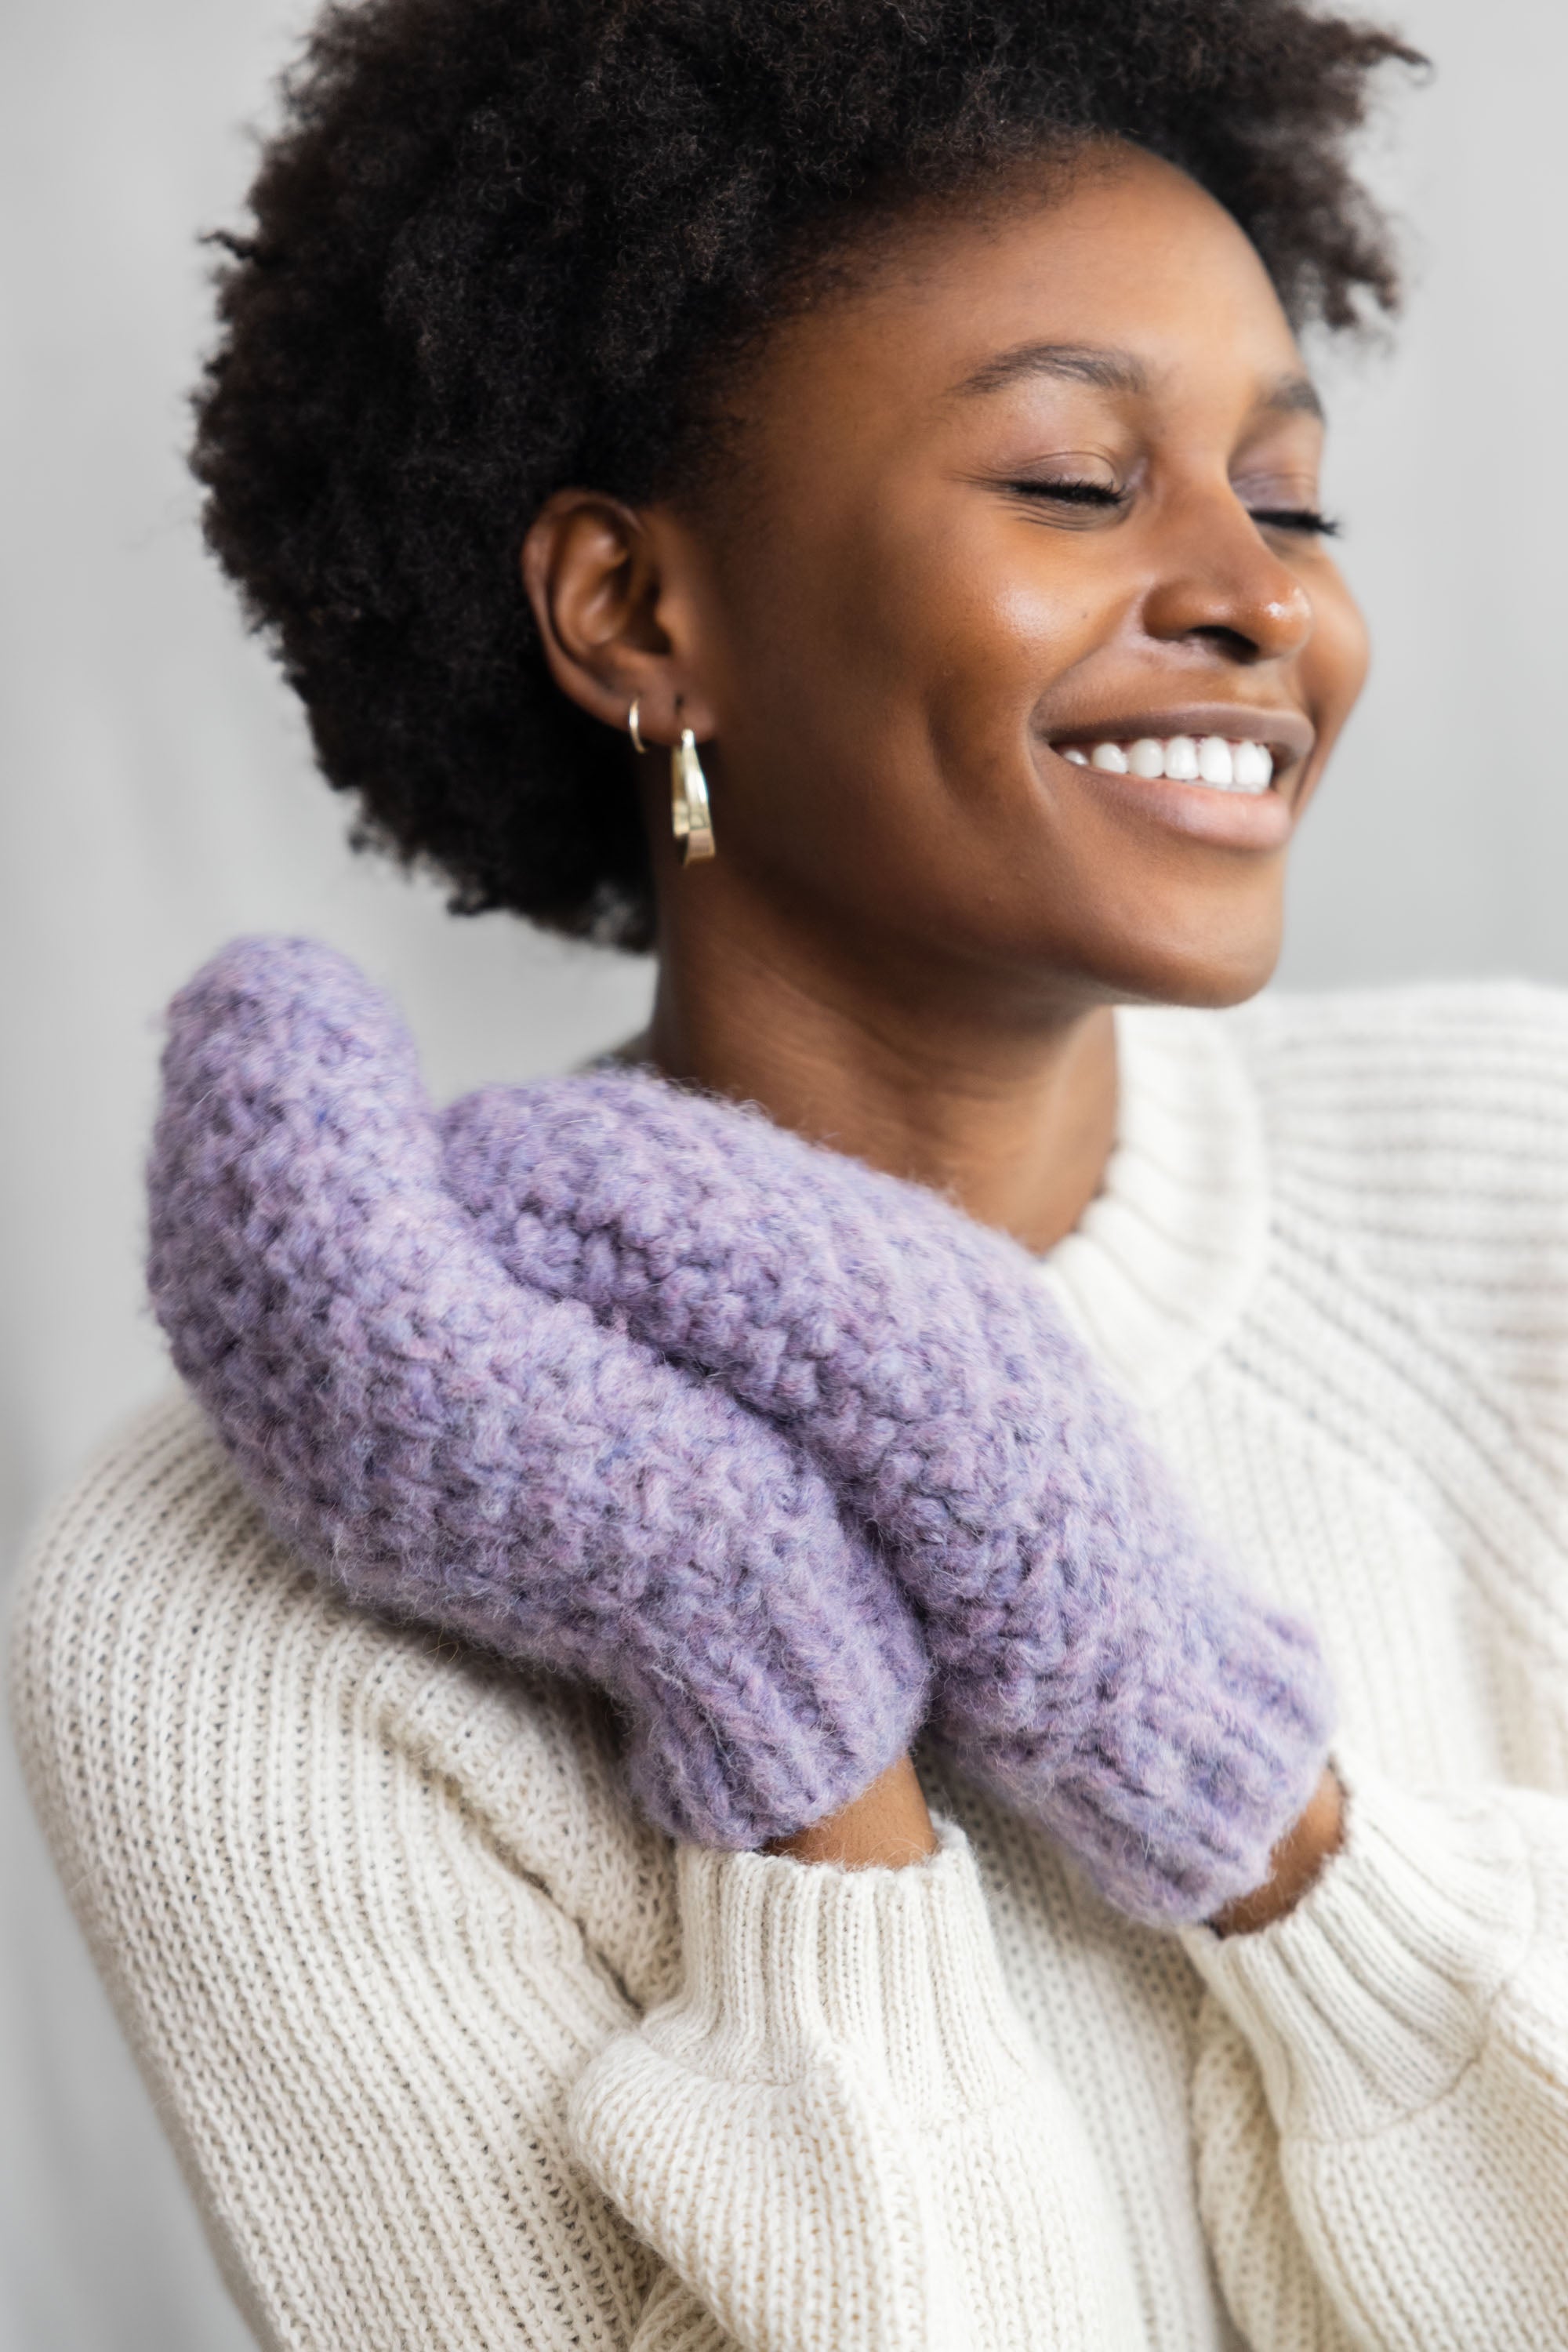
<point x="1306" y="520"/>
<point x="1072" y="494"/>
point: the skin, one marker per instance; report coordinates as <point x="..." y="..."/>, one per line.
<point x="1033" y="474"/>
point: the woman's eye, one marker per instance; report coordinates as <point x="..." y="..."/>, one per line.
<point x="1306" y="522"/>
<point x="1072" y="493"/>
<point x="1305" y="519"/>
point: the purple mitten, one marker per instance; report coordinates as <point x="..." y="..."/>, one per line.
<point x="1094" y="1662"/>
<point x="443" y="1441"/>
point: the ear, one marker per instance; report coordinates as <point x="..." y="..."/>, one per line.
<point x="613" y="593"/>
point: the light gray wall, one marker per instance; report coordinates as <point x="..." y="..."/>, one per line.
<point x="157" y="799"/>
<point x="1440" y="841"/>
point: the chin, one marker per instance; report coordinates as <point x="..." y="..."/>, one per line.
<point x="1212" y="967"/>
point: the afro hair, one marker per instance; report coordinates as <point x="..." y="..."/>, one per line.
<point x="501" y="246"/>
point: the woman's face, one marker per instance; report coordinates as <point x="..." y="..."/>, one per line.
<point x="1026" y="513"/>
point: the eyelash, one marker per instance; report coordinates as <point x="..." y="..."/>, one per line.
<point x="1305" y="519"/>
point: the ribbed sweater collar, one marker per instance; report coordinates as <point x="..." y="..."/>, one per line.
<point x="1162" y="1263"/>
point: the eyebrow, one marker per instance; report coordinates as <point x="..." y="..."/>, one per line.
<point x="1110" y="370"/>
<point x="1294" y="395"/>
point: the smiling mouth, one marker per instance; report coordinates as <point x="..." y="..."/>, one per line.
<point x="1225" y="763"/>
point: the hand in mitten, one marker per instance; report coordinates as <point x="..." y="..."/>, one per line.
<point x="452" y="1444"/>
<point x="1093" y="1659"/>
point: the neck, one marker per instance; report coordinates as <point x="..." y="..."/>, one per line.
<point x="1008" y="1109"/>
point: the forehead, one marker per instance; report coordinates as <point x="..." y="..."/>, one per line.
<point x="1118" y="250"/>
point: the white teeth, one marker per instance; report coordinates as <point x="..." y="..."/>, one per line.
<point x="1224" y="766"/>
<point x="1215" y="763"/>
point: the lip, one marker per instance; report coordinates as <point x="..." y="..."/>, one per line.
<point x="1258" y="822"/>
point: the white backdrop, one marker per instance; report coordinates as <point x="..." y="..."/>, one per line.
<point x="158" y="799"/>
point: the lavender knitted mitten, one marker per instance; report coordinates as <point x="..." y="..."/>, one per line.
<point x="1094" y="1662"/>
<point x="444" y="1440"/>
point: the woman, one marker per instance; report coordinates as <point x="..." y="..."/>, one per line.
<point x="896" y="416"/>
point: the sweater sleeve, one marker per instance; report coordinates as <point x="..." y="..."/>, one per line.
<point x="350" y="1894"/>
<point x="838" y="2131"/>
<point x="1390" y="2171"/>
<point x="453" y="2052"/>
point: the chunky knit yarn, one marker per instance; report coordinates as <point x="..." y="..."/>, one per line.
<point x="453" y="1446"/>
<point x="1094" y="1663"/>
<point x="549" y="1371"/>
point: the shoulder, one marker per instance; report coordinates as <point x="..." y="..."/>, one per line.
<point x="193" y="1707"/>
<point x="1425" y="1129"/>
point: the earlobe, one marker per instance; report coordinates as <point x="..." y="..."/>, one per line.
<point x="613" y="622"/>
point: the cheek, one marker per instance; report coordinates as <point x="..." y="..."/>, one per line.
<point x="1008" y="641"/>
<point x="895" y="612"/>
<point x="886" y="675"/>
<point x="1017" y="602"/>
<point x="962" y="625"/>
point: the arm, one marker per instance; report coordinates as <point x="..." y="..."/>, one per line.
<point x="365" y="1910"/>
<point x="1387" y="2068"/>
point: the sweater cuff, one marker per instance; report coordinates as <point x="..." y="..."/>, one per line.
<point x="1368" y="2002"/>
<point x="895" y="1970"/>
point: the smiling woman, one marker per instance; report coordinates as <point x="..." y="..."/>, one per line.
<point x="1009" y="491"/>
<point x="892" y="1673"/>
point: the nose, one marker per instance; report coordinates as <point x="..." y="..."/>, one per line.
<point x="1223" y="585"/>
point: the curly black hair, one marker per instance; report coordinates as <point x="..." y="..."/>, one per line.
<point x="503" y="246"/>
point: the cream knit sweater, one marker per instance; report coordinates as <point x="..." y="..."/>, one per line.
<point x="459" y="2054"/>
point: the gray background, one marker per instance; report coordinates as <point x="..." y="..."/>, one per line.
<point x="158" y="799"/>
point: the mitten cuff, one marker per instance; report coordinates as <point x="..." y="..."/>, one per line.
<point x="818" y="1732"/>
<point x="1197" y="1747"/>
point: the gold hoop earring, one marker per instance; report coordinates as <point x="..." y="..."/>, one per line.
<point x="691" y="817"/>
<point x="638" y="743"/>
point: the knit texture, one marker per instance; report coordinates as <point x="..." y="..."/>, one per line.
<point x="1094" y="1662"/>
<point x="394" y="1953"/>
<point x="1092" y="1659"/>
<point x="453" y="1446"/>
